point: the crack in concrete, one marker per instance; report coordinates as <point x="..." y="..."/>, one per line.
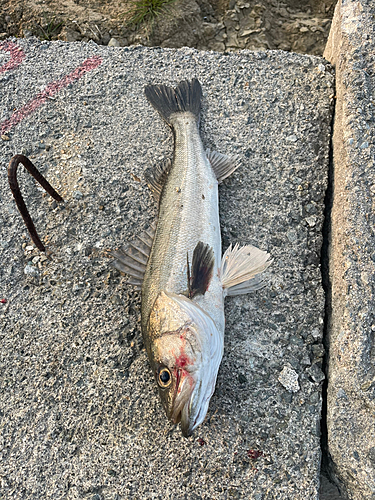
<point x="327" y="286"/>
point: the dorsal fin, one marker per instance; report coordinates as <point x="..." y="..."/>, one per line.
<point x="201" y="270"/>
<point x="132" y="259"/>
<point x="222" y="165"/>
<point x="156" y="177"/>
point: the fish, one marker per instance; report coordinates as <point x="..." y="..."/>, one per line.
<point x="177" y="263"/>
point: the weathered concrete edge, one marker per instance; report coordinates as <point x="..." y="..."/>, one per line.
<point x="332" y="54"/>
<point x="349" y="216"/>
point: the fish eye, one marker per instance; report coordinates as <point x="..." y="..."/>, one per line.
<point x="164" y="377"/>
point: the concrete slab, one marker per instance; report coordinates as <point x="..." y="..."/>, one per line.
<point x="351" y="389"/>
<point x="80" y="412"/>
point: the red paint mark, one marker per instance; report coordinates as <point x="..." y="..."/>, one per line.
<point x="254" y="454"/>
<point x="49" y="91"/>
<point x="3" y="301"/>
<point x="17" y="55"/>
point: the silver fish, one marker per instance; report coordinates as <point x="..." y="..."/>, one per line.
<point x="178" y="266"/>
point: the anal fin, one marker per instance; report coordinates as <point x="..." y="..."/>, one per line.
<point x="156" y="177"/>
<point x="132" y="259"/>
<point x="241" y="268"/>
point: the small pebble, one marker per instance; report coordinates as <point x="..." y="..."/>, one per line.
<point x="29" y="248"/>
<point x="113" y="43"/>
<point x="365" y="277"/>
<point x="316" y="373"/>
<point x="288" y="378"/>
<point x="31" y="271"/>
<point x="5" y="137"/>
<point x="341" y="394"/>
<point x="292" y="236"/>
<point x="305" y="361"/>
<point x="292" y="138"/>
<point x="311" y="221"/>
<point x="116" y="300"/>
<point x="77" y="195"/>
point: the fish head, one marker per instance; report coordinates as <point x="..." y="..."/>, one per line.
<point x="185" y="354"/>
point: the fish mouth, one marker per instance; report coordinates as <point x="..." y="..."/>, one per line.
<point x="183" y="415"/>
<point x="182" y="397"/>
<point x="190" y="406"/>
<point x="188" y="424"/>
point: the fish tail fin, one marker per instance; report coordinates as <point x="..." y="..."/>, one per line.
<point x="186" y="97"/>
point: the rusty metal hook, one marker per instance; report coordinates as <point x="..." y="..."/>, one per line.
<point x="13" y="183"/>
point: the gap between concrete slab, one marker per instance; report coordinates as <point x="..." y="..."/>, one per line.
<point x="328" y="490"/>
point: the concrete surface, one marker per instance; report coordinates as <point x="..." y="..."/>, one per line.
<point x="80" y="414"/>
<point x="351" y="389"/>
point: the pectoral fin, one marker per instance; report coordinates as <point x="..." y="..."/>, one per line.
<point x="201" y="270"/>
<point x="132" y="259"/>
<point x="241" y="268"/>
